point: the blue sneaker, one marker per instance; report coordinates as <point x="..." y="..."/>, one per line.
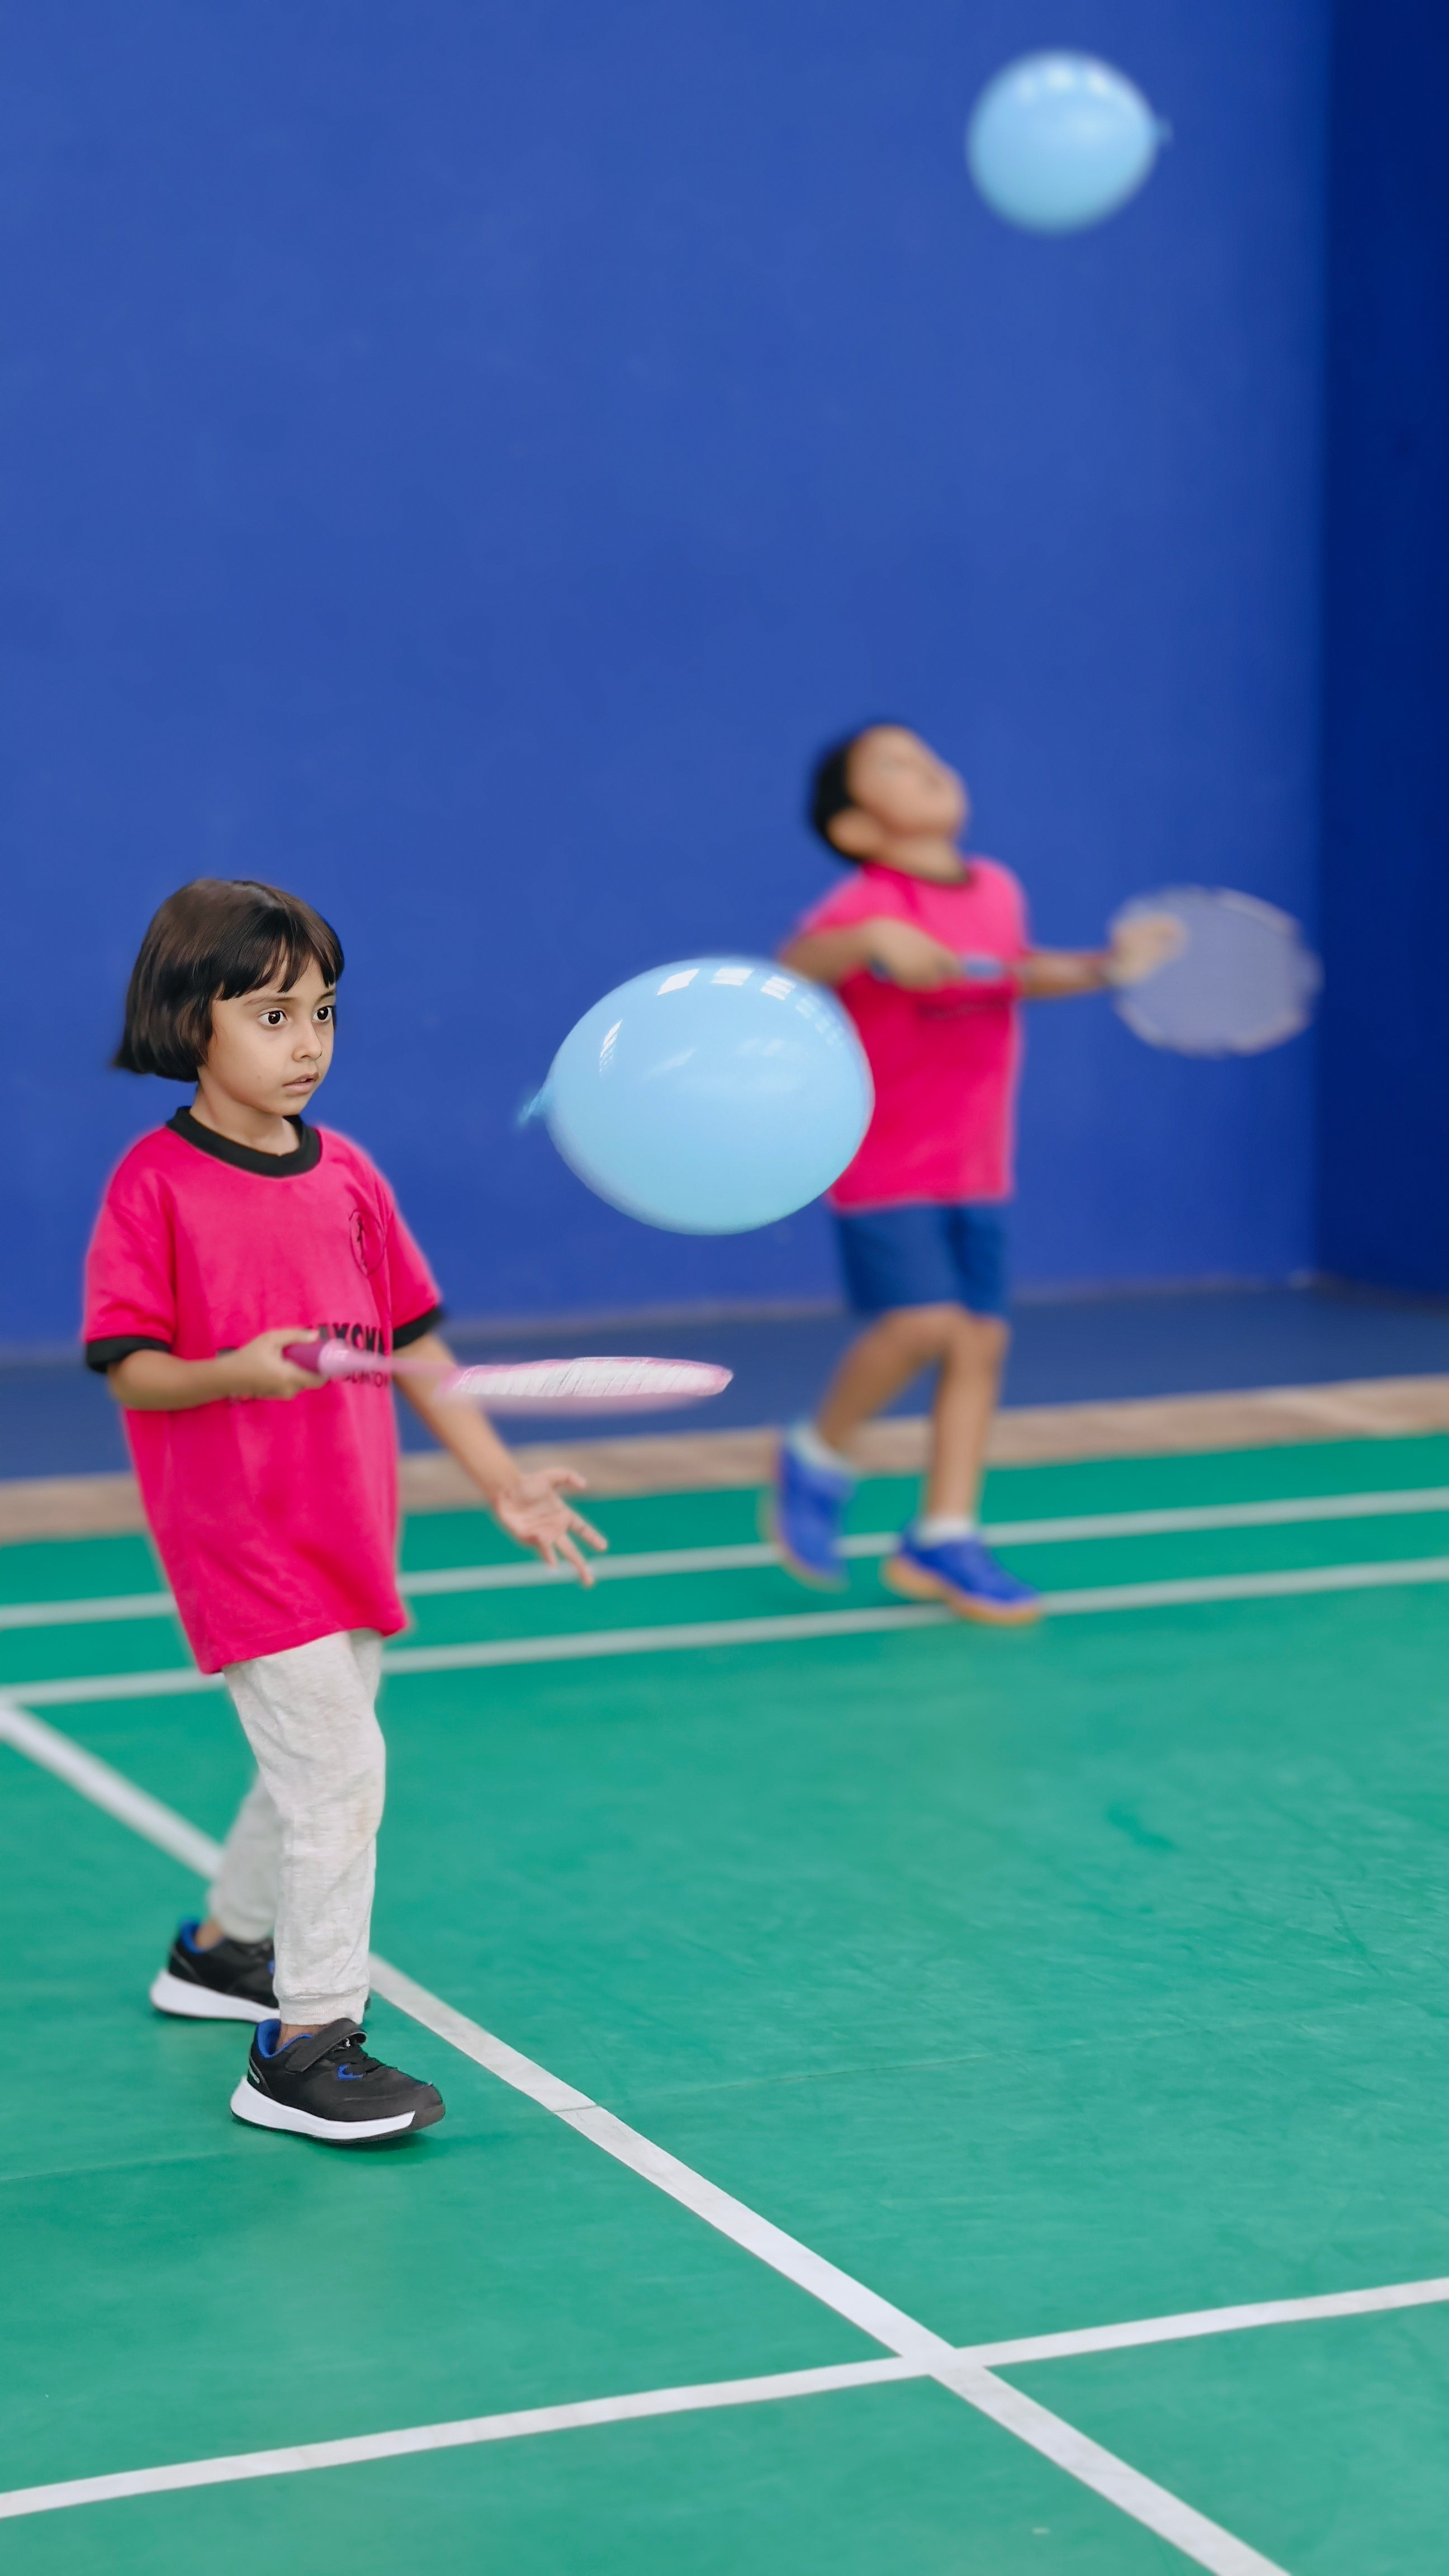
<point x="806" y="1510"/>
<point x="964" y="1574"/>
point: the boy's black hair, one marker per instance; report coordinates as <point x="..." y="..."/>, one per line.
<point x="830" y="783"/>
<point x="218" y="936"/>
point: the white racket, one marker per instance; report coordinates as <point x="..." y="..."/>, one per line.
<point x="1243" y="979"/>
<point x="532" y="1386"/>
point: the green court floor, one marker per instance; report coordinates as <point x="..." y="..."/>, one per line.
<point x="1040" y="1981"/>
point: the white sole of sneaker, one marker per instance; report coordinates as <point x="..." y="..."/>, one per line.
<point x="198" y="2003"/>
<point x="263" y="2113"/>
<point x="917" y="1585"/>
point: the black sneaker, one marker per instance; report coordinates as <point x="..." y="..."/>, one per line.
<point x="230" y="1982"/>
<point x="326" y="2086"/>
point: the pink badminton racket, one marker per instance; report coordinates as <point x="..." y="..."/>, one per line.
<point x="532" y="1386"/>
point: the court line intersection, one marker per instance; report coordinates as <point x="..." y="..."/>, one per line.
<point x="916" y="2352"/>
<point x="636" y="2405"/>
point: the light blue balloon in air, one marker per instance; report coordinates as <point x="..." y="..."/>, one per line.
<point x="1057" y="141"/>
<point x="710" y="1096"/>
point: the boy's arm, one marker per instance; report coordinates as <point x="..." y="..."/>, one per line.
<point x="911" y="957"/>
<point x="1138" y="948"/>
<point x="907" y="955"/>
<point x="1055" y="974"/>
<point x="531" y="1507"/>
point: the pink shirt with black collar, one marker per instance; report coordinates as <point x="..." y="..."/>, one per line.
<point x="276" y="1522"/>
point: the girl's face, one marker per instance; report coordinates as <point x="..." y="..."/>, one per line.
<point x="271" y="1049"/>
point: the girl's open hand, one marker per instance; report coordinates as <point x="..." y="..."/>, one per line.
<point x="533" y="1510"/>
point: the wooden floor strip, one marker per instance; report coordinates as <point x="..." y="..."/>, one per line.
<point x="693" y="1461"/>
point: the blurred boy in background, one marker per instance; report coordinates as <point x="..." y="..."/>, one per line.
<point x="930" y="952"/>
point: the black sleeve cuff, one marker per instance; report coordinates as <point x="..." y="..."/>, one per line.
<point x="402" y="1334"/>
<point x="101" y="1356"/>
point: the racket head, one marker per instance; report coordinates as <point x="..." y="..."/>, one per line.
<point x="557" y="1388"/>
<point x="1244" y="981"/>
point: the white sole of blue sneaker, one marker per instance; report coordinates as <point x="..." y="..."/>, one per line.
<point x="263" y="2113"/>
<point x="917" y="1585"/>
<point x="197" y="2003"/>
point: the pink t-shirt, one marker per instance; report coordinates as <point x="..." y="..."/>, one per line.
<point x="276" y="1522"/>
<point x="944" y="1064"/>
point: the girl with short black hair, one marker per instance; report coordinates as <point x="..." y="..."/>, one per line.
<point x="232" y="1231"/>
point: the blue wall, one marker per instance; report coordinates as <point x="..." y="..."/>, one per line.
<point x="468" y="456"/>
<point x="1385" y="1029"/>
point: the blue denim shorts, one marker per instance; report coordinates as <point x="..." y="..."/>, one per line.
<point x="924" y="1256"/>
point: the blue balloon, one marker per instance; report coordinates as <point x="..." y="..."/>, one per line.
<point x="1057" y="141"/>
<point x="711" y="1096"/>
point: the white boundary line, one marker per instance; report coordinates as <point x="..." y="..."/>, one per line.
<point x="82" y="1613"/>
<point x="174" y="1680"/>
<point x="1198" y="2538"/>
<point x="692" y="1636"/>
<point x="1196" y="2322"/>
<point x="761" y="1552"/>
<point x="108" y="1789"/>
<point x="358" y="2447"/>
<point x="772" y="2388"/>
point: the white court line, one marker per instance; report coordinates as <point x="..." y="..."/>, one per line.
<point x="771" y="2388"/>
<point x="1175" y="2521"/>
<point x="175" y="1679"/>
<point x="692" y="1636"/>
<point x="742" y="1554"/>
<point x="109" y="1789"/>
<point x="73" y="1614"/>
<point x="760" y="1552"/>
<point x="356" y="2448"/>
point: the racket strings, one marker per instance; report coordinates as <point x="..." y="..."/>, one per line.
<point x="1244" y="979"/>
<point x="587" y="1380"/>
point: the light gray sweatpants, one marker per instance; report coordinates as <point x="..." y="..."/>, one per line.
<point x="300" y="1857"/>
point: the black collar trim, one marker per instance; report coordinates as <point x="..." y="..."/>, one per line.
<point x="245" y="1158"/>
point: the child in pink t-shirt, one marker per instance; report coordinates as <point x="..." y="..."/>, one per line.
<point x="931" y="955"/>
<point x="272" y="1493"/>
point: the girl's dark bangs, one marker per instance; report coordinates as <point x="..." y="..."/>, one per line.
<point x="277" y="945"/>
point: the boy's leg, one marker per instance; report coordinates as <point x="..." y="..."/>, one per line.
<point x="309" y="1717"/>
<point x="972" y="1358"/>
<point x="815" y="1476"/>
<point x="895" y="1348"/>
<point x="900" y="1278"/>
<point x="942" y="1556"/>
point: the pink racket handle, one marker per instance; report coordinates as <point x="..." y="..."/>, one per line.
<point x="339" y="1359"/>
<point x="981" y="970"/>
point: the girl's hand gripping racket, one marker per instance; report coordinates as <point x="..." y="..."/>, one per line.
<point x="547" y="1387"/>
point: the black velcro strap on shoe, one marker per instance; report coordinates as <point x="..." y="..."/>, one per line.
<point x="302" y="2053"/>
